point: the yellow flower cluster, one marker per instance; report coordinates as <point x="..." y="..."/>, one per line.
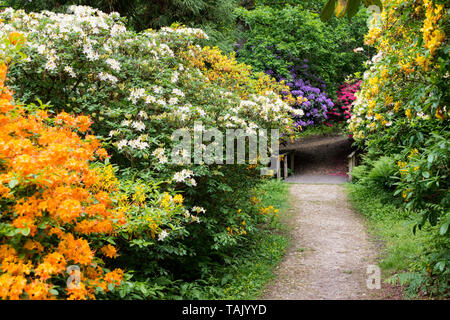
<point x="237" y="77"/>
<point x="402" y="62"/>
<point x="432" y="35"/>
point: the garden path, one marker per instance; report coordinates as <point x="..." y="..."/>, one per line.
<point x="330" y="248"/>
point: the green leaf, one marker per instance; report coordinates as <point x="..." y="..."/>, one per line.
<point x="440" y="266"/>
<point x="11" y="233"/>
<point x="444" y="228"/>
<point x="426" y="174"/>
<point x="25" y="231"/>
<point x="12" y="183"/>
<point x="54" y="292"/>
<point x="327" y="11"/>
<point x="353" y="7"/>
<point x="42" y="225"/>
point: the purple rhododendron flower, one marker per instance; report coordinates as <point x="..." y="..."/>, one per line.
<point x="317" y="105"/>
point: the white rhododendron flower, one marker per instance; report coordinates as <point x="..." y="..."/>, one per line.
<point x="173" y="100"/>
<point x="107" y="77"/>
<point x="162" y="235"/>
<point x="150" y="99"/>
<point x="198" y="209"/>
<point x="136" y="94"/>
<point x="159" y="153"/>
<point x="143" y="114"/>
<point x="114" y="64"/>
<point x="70" y="71"/>
<point x="138" y="125"/>
<point x="122" y="143"/>
<point x="182" y="175"/>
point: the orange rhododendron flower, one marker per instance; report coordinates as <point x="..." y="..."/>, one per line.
<point x="16" y="38"/>
<point x="63" y="197"/>
<point x="109" y="251"/>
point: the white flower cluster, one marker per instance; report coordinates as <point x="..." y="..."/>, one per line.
<point x="45" y="30"/>
<point x="183" y="176"/>
<point x="104" y="76"/>
<point x="198" y="209"/>
<point x="70" y="71"/>
<point x="198" y="33"/>
<point x="269" y="108"/>
<point x="138" y="125"/>
<point x="162" y="235"/>
<point x="113" y="64"/>
<point x="136" y="94"/>
<point x="159" y="153"/>
<point x="138" y="143"/>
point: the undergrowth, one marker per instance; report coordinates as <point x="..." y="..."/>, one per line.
<point x="403" y="257"/>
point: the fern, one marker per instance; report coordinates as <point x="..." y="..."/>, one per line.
<point x="382" y="172"/>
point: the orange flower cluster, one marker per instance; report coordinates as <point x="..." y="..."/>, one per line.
<point x="16" y="38"/>
<point x="52" y="205"/>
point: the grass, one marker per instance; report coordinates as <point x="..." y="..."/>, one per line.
<point x="391" y="227"/>
<point x="252" y="265"/>
<point x="254" y="268"/>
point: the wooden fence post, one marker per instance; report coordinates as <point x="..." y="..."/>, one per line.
<point x="278" y="168"/>
<point x="351" y="164"/>
<point x="285" y="162"/>
<point x="292" y="161"/>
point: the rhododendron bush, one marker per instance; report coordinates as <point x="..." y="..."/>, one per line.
<point x="402" y="112"/>
<point x="54" y="209"/>
<point x="345" y="97"/>
<point x="137" y="89"/>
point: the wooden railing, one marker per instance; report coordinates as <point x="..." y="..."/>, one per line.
<point x="284" y="158"/>
<point x="288" y="159"/>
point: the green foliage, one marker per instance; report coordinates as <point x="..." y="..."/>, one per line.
<point x="139" y="88"/>
<point x="277" y="38"/>
<point x="241" y="273"/>
<point x="311" y="5"/>
<point x="359" y="173"/>
<point x="382" y="171"/>
<point x="401" y="112"/>
<point x="349" y="7"/>
<point x="406" y="257"/>
<point x="322" y="130"/>
<point x="425" y="179"/>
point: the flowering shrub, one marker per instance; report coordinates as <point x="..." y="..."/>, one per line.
<point x="235" y="76"/>
<point x="312" y="101"/>
<point x="54" y="211"/>
<point x="138" y="88"/>
<point x="401" y="111"/>
<point x="345" y="97"/>
<point x="60" y="213"/>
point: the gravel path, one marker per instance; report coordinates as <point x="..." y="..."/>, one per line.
<point x="330" y="248"/>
